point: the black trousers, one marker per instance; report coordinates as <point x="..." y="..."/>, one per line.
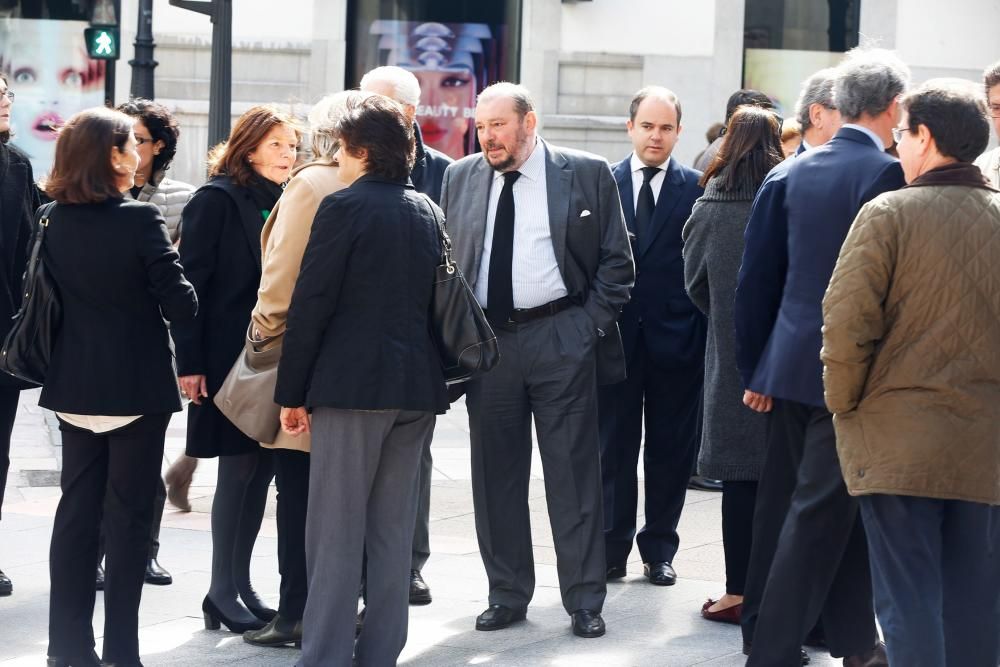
<point x="111" y="476"/>
<point x="670" y="403"/>
<point x="738" y="500"/>
<point x="8" y="412"/>
<point x="291" y="477"/>
<point x="154" y="531"/>
<point x="547" y="373"/>
<point x="820" y="565"/>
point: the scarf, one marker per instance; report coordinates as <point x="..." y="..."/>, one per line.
<point x="264" y="194"/>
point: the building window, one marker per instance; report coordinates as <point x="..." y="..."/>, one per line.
<point x="454" y="48"/>
<point x="785" y="41"/>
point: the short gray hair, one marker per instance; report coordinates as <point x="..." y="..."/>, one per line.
<point x="868" y="80"/>
<point x="656" y="92"/>
<point x="817" y="89"/>
<point x="513" y="91"/>
<point x="323" y="120"/>
<point x="405" y="86"/>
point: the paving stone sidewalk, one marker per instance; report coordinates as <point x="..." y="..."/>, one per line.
<point x="647" y="625"/>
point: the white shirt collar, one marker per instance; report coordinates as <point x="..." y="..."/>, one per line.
<point x="871" y="135"/>
<point x="635" y="164"/>
<point x="534" y="167"/>
<point x="806" y="145"/>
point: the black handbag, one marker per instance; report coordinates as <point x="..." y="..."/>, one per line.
<point x="28" y="348"/>
<point x="465" y="340"/>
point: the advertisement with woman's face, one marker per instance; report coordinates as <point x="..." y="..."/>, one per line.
<point x="452" y="62"/>
<point x="52" y="78"/>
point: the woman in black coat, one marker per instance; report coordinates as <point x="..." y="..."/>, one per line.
<point x="221" y="255"/>
<point x="18" y="201"/>
<point x="111" y="381"/>
<point x="358" y="352"/>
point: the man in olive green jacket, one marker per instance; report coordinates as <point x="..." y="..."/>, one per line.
<point x="911" y="347"/>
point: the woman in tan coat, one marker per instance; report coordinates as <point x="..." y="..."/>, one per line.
<point x="911" y="347"/>
<point x="284" y="240"/>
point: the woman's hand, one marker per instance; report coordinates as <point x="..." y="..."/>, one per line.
<point x="758" y="402"/>
<point x="194" y="387"/>
<point x="294" y="421"/>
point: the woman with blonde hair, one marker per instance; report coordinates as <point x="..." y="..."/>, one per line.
<point x="221" y="254"/>
<point x="284" y="239"/>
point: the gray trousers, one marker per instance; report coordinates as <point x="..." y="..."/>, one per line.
<point x="547" y="371"/>
<point x="362" y="493"/>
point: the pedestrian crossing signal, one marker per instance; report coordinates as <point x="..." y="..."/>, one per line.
<point x="102" y="43"/>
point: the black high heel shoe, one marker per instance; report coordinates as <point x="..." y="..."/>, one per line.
<point x="265" y="614"/>
<point x="214" y="618"/>
<point x="82" y="661"/>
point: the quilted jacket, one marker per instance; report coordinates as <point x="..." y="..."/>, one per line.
<point x="170" y="197"/>
<point x="911" y="344"/>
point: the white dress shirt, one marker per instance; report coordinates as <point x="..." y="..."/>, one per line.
<point x="877" y="140"/>
<point x="535" y="272"/>
<point x="637" y="165"/>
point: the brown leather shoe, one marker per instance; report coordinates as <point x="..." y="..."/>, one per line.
<point x="178" y="480"/>
<point x="873" y="658"/>
<point x="727" y="615"/>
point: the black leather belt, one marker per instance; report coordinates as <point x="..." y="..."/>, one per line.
<point x="522" y="315"/>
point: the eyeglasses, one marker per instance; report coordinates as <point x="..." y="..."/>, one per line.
<point x="995" y="110"/>
<point x="9" y="94"/>
<point x="897" y="133"/>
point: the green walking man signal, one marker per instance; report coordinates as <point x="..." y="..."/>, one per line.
<point x="102" y="42"/>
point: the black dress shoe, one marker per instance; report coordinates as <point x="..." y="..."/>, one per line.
<point x="616" y="572"/>
<point x="156" y="575"/>
<point x="6" y="588"/>
<point x="82" y="661"/>
<point x="700" y="483"/>
<point x="498" y="617"/>
<point x="660" y="574"/>
<point x="802" y="654"/>
<point x="588" y="623"/>
<point x="873" y="658"/>
<point x="214" y="618"/>
<point x="420" y="592"/>
<point x="99" y="579"/>
<point x="278" y="632"/>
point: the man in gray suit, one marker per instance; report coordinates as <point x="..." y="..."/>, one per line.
<point x="539" y="234"/>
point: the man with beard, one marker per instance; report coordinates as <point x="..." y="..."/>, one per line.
<point x="539" y="234"/>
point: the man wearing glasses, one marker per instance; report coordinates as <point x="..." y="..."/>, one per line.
<point x="989" y="161"/>
<point x="18" y="201"/>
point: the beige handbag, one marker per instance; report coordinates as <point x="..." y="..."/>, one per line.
<point x="246" y="397"/>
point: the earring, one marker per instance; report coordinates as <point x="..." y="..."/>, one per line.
<point x="250" y="160"/>
<point x="118" y="167"/>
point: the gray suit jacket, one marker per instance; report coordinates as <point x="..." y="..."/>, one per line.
<point x="593" y="251"/>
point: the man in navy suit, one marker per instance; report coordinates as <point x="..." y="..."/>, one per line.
<point x="664" y="342"/>
<point x="820" y="567"/>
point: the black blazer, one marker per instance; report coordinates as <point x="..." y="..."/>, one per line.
<point x="427" y="174"/>
<point x="358" y="335"/>
<point x="18" y="200"/>
<point x="118" y="278"/>
<point x="673" y="328"/>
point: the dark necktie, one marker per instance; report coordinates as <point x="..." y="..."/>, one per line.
<point x="644" y="207"/>
<point x="500" y="290"/>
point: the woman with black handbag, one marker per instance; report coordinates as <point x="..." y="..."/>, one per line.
<point x="110" y="380"/>
<point x="221" y="254"/>
<point x="18" y="201"/>
<point x="358" y="351"/>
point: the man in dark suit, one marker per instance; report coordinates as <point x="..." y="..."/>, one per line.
<point x="766" y="262"/>
<point x="538" y="232"/>
<point x="427" y="176"/>
<point x="664" y="339"/>
<point x="820" y="567"/>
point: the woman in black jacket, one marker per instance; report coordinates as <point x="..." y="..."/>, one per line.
<point x="111" y="381"/>
<point x="221" y="255"/>
<point x="18" y="201"/>
<point x="358" y="352"/>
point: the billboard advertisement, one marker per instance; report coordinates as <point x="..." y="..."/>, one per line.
<point x="49" y="72"/>
<point x="452" y="61"/>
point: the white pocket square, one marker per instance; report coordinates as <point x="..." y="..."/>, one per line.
<point x="585" y="213"/>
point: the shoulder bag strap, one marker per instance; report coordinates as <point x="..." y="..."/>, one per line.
<point x="442" y="233"/>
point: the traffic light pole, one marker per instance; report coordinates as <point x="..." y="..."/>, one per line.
<point x="143" y="64"/>
<point x="109" y="66"/>
<point x="221" y="83"/>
